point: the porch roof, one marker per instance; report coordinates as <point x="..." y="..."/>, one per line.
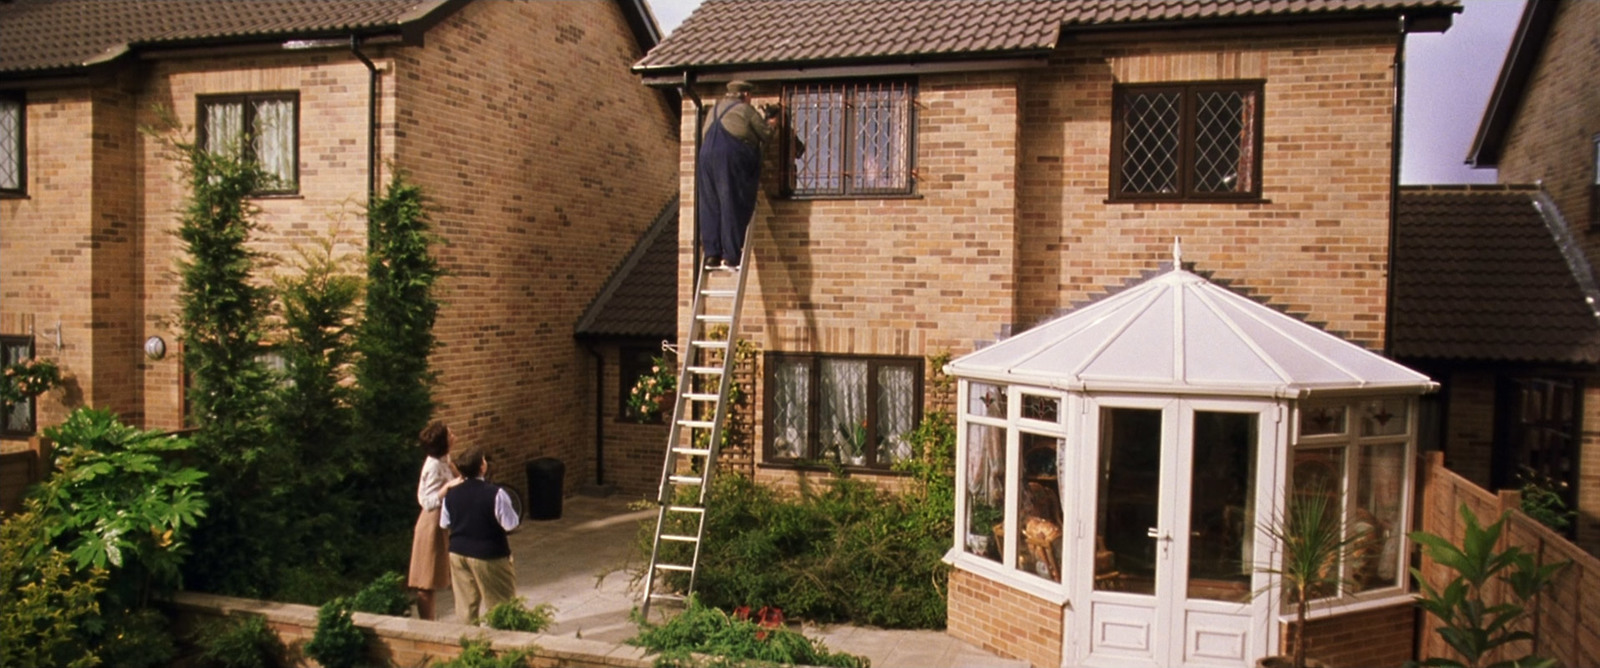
<point x="1178" y="333"/>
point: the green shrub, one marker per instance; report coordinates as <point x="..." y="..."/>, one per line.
<point x="386" y="595"/>
<point x="337" y="642"/>
<point x="137" y="638"/>
<point x="239" y="642"/>
<point x="701" y="629"/>
<point x="1542" y="500"/>
<point x="513" y="615"/>
<point x="44" y="601"/>
<point x="478" y="654"/>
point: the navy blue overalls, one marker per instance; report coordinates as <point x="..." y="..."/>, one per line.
<point x="729" y="173"/>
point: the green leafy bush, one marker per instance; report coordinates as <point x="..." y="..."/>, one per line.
<point x="337" y="642"/>
<point x="478" y="654"/>
<point x="137" y="638"/>
<point x="44" y="601"/>
<point x="239" y="642"/>
<point x="1542" y="500"/>
<point x="513" y="615"/>
<point x="1473" y="623"/>
<point x="386" y="595"/>
<point x="701" y="629"/>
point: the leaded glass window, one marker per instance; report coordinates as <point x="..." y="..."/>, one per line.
<point x="849" y="139"/>
<point x="18" y="418"/>
<point x="1187" y="142"/>
<point x="260" y="127"/>
<point x="852" y="411"/>
<point x="12" y="137"/>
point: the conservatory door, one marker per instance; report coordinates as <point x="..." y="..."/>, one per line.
<point x="1168" y="556"/>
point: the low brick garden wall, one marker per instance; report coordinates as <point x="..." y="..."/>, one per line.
<point x="404" y="641"/>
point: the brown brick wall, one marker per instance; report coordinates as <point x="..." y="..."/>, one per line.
<point x="547" y="159"/>
<point x="634" y="451"/>
<point x="1469" y="443"/>
<point x="1381" y="637"/>
<point x="1551" y="138"/>
<point x="1003" y="620"/>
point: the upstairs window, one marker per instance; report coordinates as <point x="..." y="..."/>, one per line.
<point x="856" y="412"/>
<point x="1186" y="142"/>
<point x="849" y="139"/>
<point x="263" y="127"/>
<point x="13" y="176"/>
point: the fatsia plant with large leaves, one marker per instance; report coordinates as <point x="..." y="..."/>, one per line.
<point x="1472" y="623"/>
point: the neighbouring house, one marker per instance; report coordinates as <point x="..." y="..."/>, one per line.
<point x="1495" y="289"/>
<point x="544" y="158"/>
<point x="953" y="173"/>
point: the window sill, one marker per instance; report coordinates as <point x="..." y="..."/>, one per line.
<point x="791" y="465"/>
<point x="14" y="195"/>
<point x="1189" y="200"/>
<point x="1384" y="598"/>
<point x="293" y="195"/>
<point x="825" y="198"/>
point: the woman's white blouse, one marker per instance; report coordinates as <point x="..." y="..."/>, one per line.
<point x="435" y="473"/>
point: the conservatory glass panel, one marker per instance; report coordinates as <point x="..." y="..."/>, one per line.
<point x="1128" y="496"/>
<point x="985" y="400"/>
<point x="1385" y="417"/>
<point x="1322" y="420"/>
<point x="1318" y="480"/>
<point x="1380" y="487"/>
<point x="986" y="490"/>
<point x="1039" y="507"/>
<point x="1222" y="506"/>
<point x="1042" y="408"/>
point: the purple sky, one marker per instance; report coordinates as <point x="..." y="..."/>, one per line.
<point x="1448" y="81"/>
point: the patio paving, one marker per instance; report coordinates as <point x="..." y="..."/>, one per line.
<point x="561" y="562"/>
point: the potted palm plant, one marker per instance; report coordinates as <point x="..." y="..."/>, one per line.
<point x="1313" y="543"/>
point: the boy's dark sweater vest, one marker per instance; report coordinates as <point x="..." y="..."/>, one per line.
<point x="474" y="531"/>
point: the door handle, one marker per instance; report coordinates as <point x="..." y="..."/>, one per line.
<point x="1166" y="541"/>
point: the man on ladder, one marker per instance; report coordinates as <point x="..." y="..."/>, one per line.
<point x="729" y="172"/>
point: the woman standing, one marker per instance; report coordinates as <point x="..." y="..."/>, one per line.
<point x="430" y="556"/>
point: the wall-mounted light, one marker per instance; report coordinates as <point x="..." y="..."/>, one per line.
<point x="155" y="348"/>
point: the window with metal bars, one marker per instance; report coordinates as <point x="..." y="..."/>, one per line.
<point x="264" y="127"/>
<point x="849" y="139"/>
<point x="851" y="411"/>
<point x="13" y="138"/>
<point x="1187" y="142"/>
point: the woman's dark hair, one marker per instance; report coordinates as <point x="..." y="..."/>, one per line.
<point x="435" y="439"/>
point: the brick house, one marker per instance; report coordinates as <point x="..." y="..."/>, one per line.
<point x="972" y="170"/>
<point x="1496" y="292"/>
<point x="544" y="158"/>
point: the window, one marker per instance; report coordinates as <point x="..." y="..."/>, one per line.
<point x="855" y="411"/>
<point x="849" y="139"/>
<point x="1357" y="454"/>
<point x="1029" y="529"/>
<point x="265" y="127"/>
<point x="19" y="419"/>
<point x="1195" y="142"/>
<point x="1538" y="419"/>
<point x="13" y="157"/>
<point x="635" y="363"/>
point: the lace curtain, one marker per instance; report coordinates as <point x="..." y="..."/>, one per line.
<point x="274" y="139"/>
<point x="224" y="127"/>
<point x="844" y="410"/>
<point x="789" y="420"/>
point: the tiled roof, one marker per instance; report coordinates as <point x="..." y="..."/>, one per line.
<point x="1490" y="273"/>
<point x="57" y="34"/>
<point x="641" y="297"/>
<point x="769" y="32"/>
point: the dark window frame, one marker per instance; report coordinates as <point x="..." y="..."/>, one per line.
<point x="7" y="343"/>
<point x="247" y="127"/>
<point x="1512" y="451"/>
<point x="22" y="147"/>
<point x="814" y="456"/>
<point x="1188" y="92"/>
<point x="792" y="149"/>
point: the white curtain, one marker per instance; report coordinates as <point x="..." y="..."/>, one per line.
<point x="790" y="410"/>
<point x="896" y="407"/>
<point x="275" y="140"/>
<point x="844" y="410"/>
<point x="224" y="127"/>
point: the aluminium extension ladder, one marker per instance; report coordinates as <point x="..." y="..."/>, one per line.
<point x="705" y="375"/>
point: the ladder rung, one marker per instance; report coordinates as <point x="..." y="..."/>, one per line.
<point x="714" y="345"/>
<point x="706" y="370"/>
<point x="681" y="539"/>
<point x="669" y="597"/>
<point x="719" y="319"/>
<point x="693" y="452"/>
<point x="719" y="293"/>
<point x="686" y="479"/>
<point x="675" y="567"/>
<point x="691" y="396"/>
<point x="696" y="424"/>
<point x="686" y="509"/>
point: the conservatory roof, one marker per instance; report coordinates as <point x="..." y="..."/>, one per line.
<point x="1178" y="333"/>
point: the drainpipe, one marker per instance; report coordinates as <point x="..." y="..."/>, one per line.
<point x="694" y="181"/>
<point x="1394" y="181"/>
<point x="599" y="415"/>
<point x="372" y="121"/>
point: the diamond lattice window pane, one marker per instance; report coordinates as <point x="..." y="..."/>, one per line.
<point x="842" y="420"/>
<point x="791" y="406"/>
<point x="896" y="412"/>
<point x="10" y="145"/>
<point x="1223" y="138"/>
<point x="1150" y="143"/>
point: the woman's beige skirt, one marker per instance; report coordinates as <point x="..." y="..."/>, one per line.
<point x="430" y="553"/>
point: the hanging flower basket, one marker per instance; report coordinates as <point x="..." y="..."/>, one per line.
<point x="27" y="379"/>
<point x="654" y="394"/>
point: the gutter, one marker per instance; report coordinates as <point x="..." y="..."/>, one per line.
<point x="1394" y="183"/>
<point x="372" y="124"/>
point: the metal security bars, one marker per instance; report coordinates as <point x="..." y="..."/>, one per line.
<point x="849" y="139"/>
<point x="1189" y="142"/>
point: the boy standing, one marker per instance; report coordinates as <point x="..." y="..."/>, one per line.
<point x="478" y="515"/>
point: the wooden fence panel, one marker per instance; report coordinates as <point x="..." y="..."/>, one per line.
<point x="18" y="471"/>
<point x="1564" y="618"/>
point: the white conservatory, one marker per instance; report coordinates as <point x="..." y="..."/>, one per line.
<point x="1118" y="463"/>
